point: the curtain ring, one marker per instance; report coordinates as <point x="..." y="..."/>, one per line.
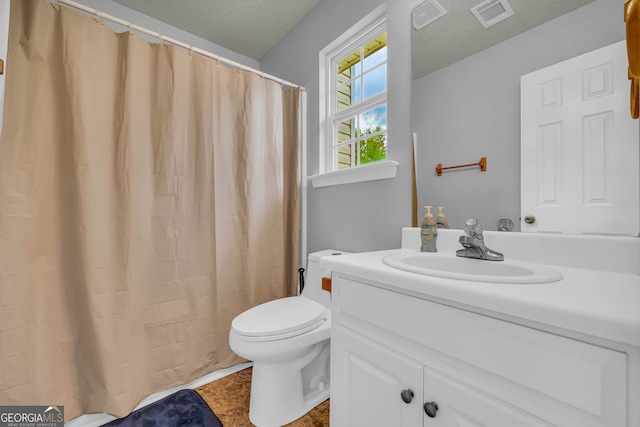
<point x="191" y="51"/>
<point x="100" y="18"/>
<point x="161" y="38"/>
<point x="131" y="33"/>
<point x="56" y="4"/>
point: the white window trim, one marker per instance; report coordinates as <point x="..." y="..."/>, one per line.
<point x="369" y="172"/>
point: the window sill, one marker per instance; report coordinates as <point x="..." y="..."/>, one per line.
<point x="371" y="172"/>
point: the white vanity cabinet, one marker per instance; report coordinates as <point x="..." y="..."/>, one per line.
<point x="369" y="382"/>
<point x="393" y="353"/>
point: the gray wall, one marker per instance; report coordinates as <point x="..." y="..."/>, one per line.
<point x="361" y="216"/>
<point x="471" y="109"/>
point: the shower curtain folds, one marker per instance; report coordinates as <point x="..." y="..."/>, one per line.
<point x="164" y="39"/>
<point x="147" y="197"/>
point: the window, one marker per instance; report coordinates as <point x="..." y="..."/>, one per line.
<point x="358" y="107"/>
<point x="353" y="105"/>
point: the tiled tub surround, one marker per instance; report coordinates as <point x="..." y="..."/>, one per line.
<point x="575" y="323"/>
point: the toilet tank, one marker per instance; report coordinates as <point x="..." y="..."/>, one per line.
<point x="313" y="280"/>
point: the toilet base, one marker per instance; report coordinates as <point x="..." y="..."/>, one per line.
<point x="278" y="391"/>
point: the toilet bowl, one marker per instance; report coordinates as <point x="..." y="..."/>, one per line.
<point x="288" y="341"/>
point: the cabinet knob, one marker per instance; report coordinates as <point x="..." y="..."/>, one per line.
<point x="431" y="408"/>
<point x="406" y="395"/>
<point x="529" y="219"/>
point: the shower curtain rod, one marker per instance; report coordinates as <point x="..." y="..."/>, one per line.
<point x="163" y="39"/>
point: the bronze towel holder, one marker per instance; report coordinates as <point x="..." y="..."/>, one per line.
<point x="482" y="163"/>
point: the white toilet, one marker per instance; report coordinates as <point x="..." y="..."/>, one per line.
<point x="288" y="342"/>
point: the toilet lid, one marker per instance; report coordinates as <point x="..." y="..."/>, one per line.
<point x="278" y="317"/>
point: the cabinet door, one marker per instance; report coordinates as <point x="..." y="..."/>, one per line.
<point x="460" y="405"/>
<point x="367" y="382"/>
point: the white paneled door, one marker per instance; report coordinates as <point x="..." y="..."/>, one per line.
<point x="580" y="155"/>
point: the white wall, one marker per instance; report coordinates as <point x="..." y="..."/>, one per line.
<point x="369" y="215"/>
<point x="471" y="109"/>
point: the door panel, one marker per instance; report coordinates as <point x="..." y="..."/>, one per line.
<point x="462" y="406"/>
<point x="367" y="382"/>
<point x="580" y="156"/>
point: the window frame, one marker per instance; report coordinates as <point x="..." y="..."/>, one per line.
<point x="366" y="29"/>
<point x="363" y="106"/>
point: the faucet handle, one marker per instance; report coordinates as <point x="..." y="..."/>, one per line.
<point x="473" y="227"/>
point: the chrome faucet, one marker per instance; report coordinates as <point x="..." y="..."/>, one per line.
<point x="473" y="243"/>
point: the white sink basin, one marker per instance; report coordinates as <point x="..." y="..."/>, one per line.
<point x="450" y="266"/>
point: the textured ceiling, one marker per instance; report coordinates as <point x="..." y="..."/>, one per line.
<point x="459" y="34"/>
<point x="253" y="27"/>
<point x="248" y="27"/>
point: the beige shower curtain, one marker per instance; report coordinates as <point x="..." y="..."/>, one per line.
<point x="147" y="196"/>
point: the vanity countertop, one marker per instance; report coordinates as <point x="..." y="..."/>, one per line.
<point x="593" y="303"/>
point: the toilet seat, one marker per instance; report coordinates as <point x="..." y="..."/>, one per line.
<point x="279" y="319"/>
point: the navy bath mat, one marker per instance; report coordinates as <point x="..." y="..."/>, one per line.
<point x="182" y="408"/>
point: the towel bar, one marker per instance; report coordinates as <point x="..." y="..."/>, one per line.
<point x="482" y="163"/>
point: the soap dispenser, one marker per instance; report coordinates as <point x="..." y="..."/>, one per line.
<point x="428" y="232"/>
<point x="441" y="222"/>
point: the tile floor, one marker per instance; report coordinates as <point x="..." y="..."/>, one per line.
<point x="228" y="397"/>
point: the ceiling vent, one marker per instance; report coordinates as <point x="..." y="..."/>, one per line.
<point x="491" y="12"/>
<point x="426" y="13"/>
